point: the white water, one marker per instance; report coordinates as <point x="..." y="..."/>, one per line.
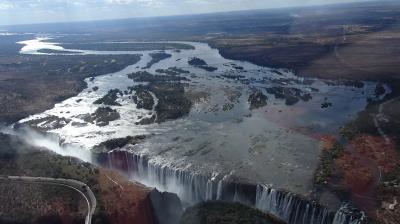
<point x="32" y="46"/>
<point x="195" y="187"/>
<point x="51" y="142"/>
<point x="227" y="145"/>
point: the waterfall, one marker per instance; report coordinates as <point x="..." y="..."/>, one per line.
<point x="194" y="187"/>
<point x="290" y="207"/>
<point x="348" y="215"/>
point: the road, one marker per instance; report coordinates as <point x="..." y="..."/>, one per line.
<point x="78" y="186"/>
<point x="380" y="117"/>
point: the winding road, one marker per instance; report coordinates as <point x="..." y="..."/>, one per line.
<point x="78" y="186"/>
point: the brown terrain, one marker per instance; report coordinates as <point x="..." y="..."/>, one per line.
<point x="40" y="204"/>
<point x="355" y="52"/>
<point x="119" y="201"/>
<point x="125" y="201"/>
<point x="353" y="42"/>
<point x="363" y="166"/>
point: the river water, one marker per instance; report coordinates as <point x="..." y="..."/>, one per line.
<point x="277" y="145"/>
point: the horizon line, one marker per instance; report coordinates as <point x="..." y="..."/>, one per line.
<point x="192" y="14"/>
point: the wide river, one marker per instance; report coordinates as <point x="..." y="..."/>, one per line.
<point x="277" y="144"/>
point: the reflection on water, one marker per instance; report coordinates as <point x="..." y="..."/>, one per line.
<point x="274" y="144"/>
<point x="32" y="46"/>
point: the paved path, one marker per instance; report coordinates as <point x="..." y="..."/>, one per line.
<point x="78" y="186"/>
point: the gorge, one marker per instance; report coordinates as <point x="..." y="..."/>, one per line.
<point x="271" y="119"/>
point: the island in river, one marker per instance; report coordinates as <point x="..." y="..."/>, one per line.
<point x="310" y="127"/>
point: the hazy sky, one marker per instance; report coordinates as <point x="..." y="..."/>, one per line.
<point x="38" y="11"/>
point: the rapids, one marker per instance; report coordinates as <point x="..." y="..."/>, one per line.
<point x="221" y="150"/>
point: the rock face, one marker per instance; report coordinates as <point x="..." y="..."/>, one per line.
<point x="225" y="213"/>
<point x="124" y="201"/>
<point x="118" y="143"/>
<point x="194" y="188"/>
<point x="167" y="207"/>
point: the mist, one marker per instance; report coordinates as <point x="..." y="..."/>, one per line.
<point x="47" y="141"/>
<point x="48" y="11"/>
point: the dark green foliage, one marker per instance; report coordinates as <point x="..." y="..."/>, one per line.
<point x="225" y="213"/>
<point x="157" y="57"/>
<point x="173" y="71"/>
<point x="41" y="80"/>
<point x="172" y="102"/>
<point x="326" y="166"/>
<point x="41" y="163"/>
<point x="257" y="100"/>
<point x="102" y="116"/>
<point x="290" y="95"/>
<point x="200" y="63"/>
<point x="110" y="98"/>
<point x="143" y="99"/>
<point x="7" y="149"/>
<point x="144" y="76"/>
<point x="197" y="62"/>
<point x="380" y="89"/>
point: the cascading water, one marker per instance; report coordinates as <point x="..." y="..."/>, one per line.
<point x="190" y="187"/>
<point x="193" y="187"/>
<point x="290" y="207"/>
<point x="346" y="214"/>
<point x="266" y="143"/>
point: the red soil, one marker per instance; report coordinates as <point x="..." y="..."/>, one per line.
<point x="366" y="160"/>
<point x="327" y="141"/>
<point x="125" y="201"/>
<point x="377" y="150"/>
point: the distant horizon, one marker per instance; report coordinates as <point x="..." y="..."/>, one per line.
<point x="125" y="3"/>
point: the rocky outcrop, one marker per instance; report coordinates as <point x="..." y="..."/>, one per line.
<point x="118" y="143"/>
<point x="167" y="207"/>
<point x="124" y="201"/>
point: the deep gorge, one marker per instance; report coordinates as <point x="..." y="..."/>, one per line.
<point x="193" y="188"/>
